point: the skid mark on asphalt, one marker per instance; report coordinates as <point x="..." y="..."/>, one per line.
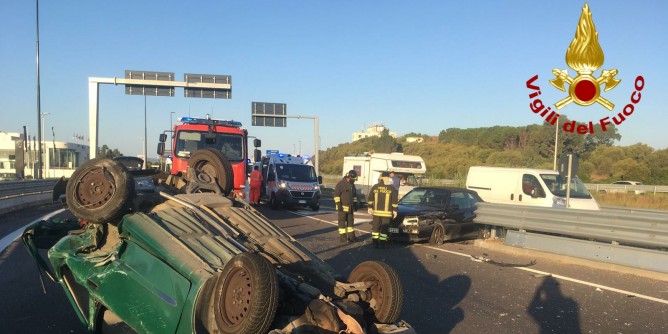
<point x="543" y="273"/>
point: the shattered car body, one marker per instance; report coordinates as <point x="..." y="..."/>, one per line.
<point x="200" y="263"/>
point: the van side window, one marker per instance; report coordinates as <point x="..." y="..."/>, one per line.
<point x="531" y="186"/>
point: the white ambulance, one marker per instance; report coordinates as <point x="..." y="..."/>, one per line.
<point x="289" y="181"/>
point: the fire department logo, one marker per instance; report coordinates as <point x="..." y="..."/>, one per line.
<point x="585" y="56"/>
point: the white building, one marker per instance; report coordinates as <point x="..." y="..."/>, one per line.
<point x="375" y="130"/>
<point x="59" y="158"/>
<point x="414" y="139"/>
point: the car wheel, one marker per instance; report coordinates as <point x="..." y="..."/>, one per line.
<point x="273" y="202"/>
<point x="246" y="295"/>
<point x="315" y="207"/>
<point x="100" y="191"/>
<point x="211" y="166"/>
<point x="437" y="235"/>
<point x="386" y="295"/>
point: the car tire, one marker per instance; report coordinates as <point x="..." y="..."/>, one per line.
<point x="437" y="235"/>
<point x="100" y="191"/>
<point x="245" y="295"/>
<point x="273" y="202"/>
<point x="386" y="291"/>
<point x="315" y="207"/>
<point x="212" y="166"/>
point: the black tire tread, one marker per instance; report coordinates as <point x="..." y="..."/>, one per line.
<point x="390" y="309"/>
<point x="264" y="299"/>
<point x="114" y="208"/>
<point x="220" y="162"/>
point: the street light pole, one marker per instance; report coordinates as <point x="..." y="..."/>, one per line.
<point x="556" y="143"/>
<point x="39" y="112"/>
<point x="171" y="129"/>
<point x="42" y="141"/>
<point x="145" y="137"/>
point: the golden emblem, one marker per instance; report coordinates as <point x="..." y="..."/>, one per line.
<point x="585" y="56"/>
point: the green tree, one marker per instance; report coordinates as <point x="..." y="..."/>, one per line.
<point x="106" y="152"/>
<point x="629" y="169"/>
<point x="385" y="143"/>
<point x="657" y="162"/>
<point x="600" y="137"/>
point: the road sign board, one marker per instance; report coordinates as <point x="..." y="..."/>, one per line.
<point x="562" y="168"/>
<point x="210" y="93"/>
<point x="269" y="114"/>
<point x="149" y="90"/>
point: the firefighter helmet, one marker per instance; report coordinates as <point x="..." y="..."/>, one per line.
<point x="352" y="174"/>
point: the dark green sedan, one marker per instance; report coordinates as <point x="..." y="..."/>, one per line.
<point x="199" y="263"/>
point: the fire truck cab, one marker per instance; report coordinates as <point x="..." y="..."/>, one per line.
<point x="224" y="136"/>
<point x="290" y="181"/>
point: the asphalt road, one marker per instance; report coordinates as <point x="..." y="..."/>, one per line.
<point x="454" y="288"/>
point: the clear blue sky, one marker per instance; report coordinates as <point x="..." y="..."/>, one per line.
<point x="415" y="66"/>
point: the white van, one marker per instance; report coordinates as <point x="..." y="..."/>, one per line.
<point x="528" y="186"/>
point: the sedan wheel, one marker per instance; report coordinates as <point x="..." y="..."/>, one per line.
<point x="437" y="235"/>
<point x="246" y="295"/>
<point x="385" y="295"/>
<point x="100" y="191"/>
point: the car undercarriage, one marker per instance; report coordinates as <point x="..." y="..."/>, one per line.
<point x="199" y="262"/>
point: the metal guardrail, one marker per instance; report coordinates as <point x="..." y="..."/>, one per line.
<point x="644" y="228"/>
<point x="621" y="188"/>
<point x="15" y="195"/>
<point x="25" y="187"/>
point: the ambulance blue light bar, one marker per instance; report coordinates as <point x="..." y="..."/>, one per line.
<point x="223" y="122"/>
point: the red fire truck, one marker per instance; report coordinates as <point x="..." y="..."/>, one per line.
<point x="197" y="141"/>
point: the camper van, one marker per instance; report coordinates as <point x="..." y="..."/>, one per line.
<point x="369" y="167"/>
<point x="528" y="186"/>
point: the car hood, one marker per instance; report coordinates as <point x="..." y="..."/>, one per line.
<point x="416" y="210"/>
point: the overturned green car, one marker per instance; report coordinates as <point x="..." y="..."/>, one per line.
<point x="200" y="262"/>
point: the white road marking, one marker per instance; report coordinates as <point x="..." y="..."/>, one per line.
<point x="7" y="240"/>
<point x="565" y="278"/>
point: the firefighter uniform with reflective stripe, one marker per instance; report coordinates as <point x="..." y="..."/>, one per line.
<point x="345" y="197"/>
<point x="382" y="202"/>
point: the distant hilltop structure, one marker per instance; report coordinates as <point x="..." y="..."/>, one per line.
<point x="374" y="130"/>
<point x="414" y="139"/>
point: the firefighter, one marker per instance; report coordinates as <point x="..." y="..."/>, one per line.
<point x="345" y="199"/>
<point x="383" y="205"/>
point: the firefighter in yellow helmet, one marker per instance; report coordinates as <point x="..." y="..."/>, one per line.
<point x="382" y="201"/>
<point x="345" y="199"/>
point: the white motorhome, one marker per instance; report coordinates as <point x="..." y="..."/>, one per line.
<point x="528" y="186"/>
<point x="290" y="181"/>
<point x="370" y="167"/>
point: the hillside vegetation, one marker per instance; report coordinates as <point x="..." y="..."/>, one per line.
<point x="450" y="154"/>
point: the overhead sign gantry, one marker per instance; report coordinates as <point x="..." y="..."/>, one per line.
<point x="154" y="84"/>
